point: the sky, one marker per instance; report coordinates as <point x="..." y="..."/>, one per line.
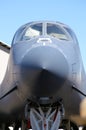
<point x="15" y="13"/>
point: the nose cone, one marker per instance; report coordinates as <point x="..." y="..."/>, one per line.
<point x="45" y="69"/>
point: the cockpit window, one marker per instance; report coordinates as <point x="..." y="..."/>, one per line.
<point x="32" y="31"/>
<point x="18" y="35"/>
<point x="71" y="33"/>
<point x="28" y="32"/>
<point x="55" y="31"/>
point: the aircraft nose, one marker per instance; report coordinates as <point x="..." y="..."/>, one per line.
<point x="45" y="69"/>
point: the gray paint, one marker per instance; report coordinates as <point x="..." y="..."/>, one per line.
<point x="38" y="69"/>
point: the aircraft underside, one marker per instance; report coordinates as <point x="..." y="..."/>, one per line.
<point x="37" y="116"/>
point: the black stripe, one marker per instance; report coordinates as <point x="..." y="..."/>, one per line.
<point x="79" y="91"/>
<point x="13" y="89"/>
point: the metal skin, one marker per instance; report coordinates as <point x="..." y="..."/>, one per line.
<point x="43" y="70"/>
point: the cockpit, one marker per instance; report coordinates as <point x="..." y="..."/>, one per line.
<point x="33" y="30"/>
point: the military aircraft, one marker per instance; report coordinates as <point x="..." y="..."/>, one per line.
<point x="44" y="87"/>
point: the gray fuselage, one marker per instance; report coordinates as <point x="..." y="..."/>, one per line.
<point x="45" y="65"/>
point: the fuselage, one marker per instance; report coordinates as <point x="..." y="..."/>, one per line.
<point x="45" y="65"/>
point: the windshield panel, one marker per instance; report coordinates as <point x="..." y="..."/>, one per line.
<point x="55" y="31"/>
<point x="28" y="32"/>
<point x="17" y="35"/>
<point x="32" y="31"/>
<point x="71" y="33"/>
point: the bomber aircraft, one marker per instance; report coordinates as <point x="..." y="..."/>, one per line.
<point x="44" y="87"/>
